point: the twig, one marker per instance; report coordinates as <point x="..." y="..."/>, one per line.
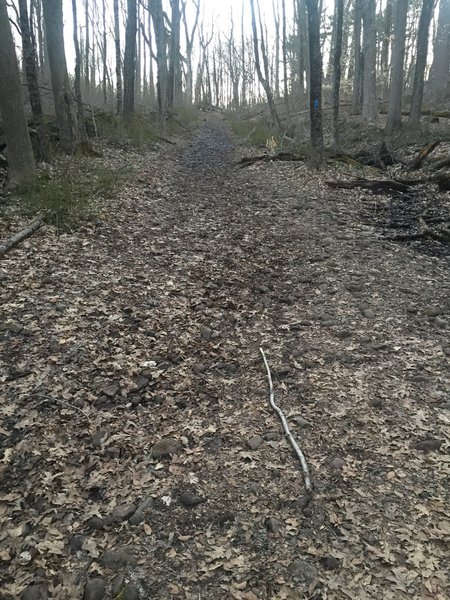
<point x="66" y="404"/>
<point x="277" y="409"/>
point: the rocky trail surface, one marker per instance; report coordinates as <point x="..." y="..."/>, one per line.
<point x="141" y="458"/>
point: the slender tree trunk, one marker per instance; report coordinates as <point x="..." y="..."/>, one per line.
<point x="394" y="116"/>
<point x="21" y="166"/>
<point x="315" y="94"/>
<point x="118" y="58"/>
<point x="357" y="58"/>
<point x="421" y="61"/>
<point x="77" y="82"/>
<point x="369" y="105"/>
<point x="385" y="47"/>
<point x="104" y="54"/>
<point x="29" y="55"/>
<point x="276" y="70"/>
<point x="264" y="82"/>
<point x="174" y="82"/>
<point x="285" y="57"/>
<point x="439" y="80"/>
<point x="87" y="43"/>
<point x="161" y="55"/>
<point x="129" y="63"/>
<point x="62" y="94"/>
<point x="339" y="16"/>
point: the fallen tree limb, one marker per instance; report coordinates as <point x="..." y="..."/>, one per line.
<point x="20" y="236"/>
<point x="284" y="156"/>
<point x="416" y="163"/>
<point x="290" y="437"/>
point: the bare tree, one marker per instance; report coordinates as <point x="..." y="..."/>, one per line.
<point x="189" y="41"/>
<point x="439" y="80"/>
<point x="174" y="81"/>
<point x="357" y="59"/>
<point x="161" y="54"/>
<point x="394" y="117"/>
<point x="129" y="62"/>
<point x="264" y="80"/>
<point x="21" y="167"/>
<point x="77" y="82"/>
<point x="62" y="94"/>
<point x="315" y="93"/>
<point x="339" y="20"/>
<point x="421" y="62"/>
<point x="118" y="58"/>
<point x="29" y="57"/>
<point x="369" y="93"/>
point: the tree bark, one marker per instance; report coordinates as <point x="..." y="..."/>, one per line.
<point x="369" y="102"/>
<point x="118" y="58"/>
<point x="174" y="81"/>
<point x="21" y="166"/>
<point x="129" y="63"/>
<point x="394" y="118"/>
<point x="339" y="15"/>
<point x="77" y="82"/>
<point x="29" y="56"/>
<point x="439" y="80"/>
<point x="315" y="95"/>
<point x="421" y="62"/>
<point x="62" y="94"/>
<point x="357" y="60"/>
<point x="264" y="82"/>
<point x="161" y="55"/>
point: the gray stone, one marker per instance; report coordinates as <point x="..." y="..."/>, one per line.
<point x="118" y="558"/>
<point x="273" y="525"/>
<point x="301" y="422"/>
<point x="76" y="543"/>
<point x="330" y="563"/>
<point x="189" y="499"/>
<point x="95" y="589"/>
<point x="337" y="463"/>
<point x="368" y="313"/>
<point x="255" y="442"/>
<point x="303" y="571"/>
<point x="206" y="333"/>
<point x="428" y="445"/>
<point x="432" y="311"/>
<point x="141" y="382"/>
<point x="35" y="592"/>
<point x="272" y="436"/>
<point x="199" y="368"/>
<point x="123" y="511"/>
<point x="130" y="592"/>
<point x="99" y="438"/>
<point x="165" y="448"/>
<point x="110" y="391"/>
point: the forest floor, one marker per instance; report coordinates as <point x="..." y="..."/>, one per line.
<point x="141" y="457"/>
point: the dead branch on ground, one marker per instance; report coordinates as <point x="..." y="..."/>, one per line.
<point x="290" y="437"/>
<point x="23" y="234"/>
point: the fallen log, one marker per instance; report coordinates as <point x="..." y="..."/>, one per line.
<point x="416" y="163"/>
<point x="425" y="232"/>
<point x="283" y="156"/>
<point x="440" y="164"/>
<point x="377" y="186"/>
<point x="23" y="234"/>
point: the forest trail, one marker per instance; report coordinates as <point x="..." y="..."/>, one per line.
<point x="150" y="323"/>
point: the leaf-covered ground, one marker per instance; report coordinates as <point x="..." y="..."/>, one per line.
<point x="138" y="336"/>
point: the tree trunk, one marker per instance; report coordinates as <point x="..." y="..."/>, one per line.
<point x="21" y="167"/>
<point x="104" y="54"/>
<point x="161" y="55"/>
<point x="394" y="117"/>
<point x="439" y="80"/>
<point x="77" y="82"/>
<point x="62" y="94"/>
<point x="118" y="58"/>
<point x="369" y="102"/>
<point x="87" y="46"/>
<point x="285" y="57"/>
<point x="385" y="47"/>
<point x="174" y="81"/>
<point x="421" y="62"/>
<point x="29" y="56"/>
<point x="129" y="62"/>
<point x="357" y="60"/>
<point x="315" y="95"/>
<point x="264" y="82"/>
<point x="339" y="20"/>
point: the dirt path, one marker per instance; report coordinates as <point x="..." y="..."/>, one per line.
<point x="150" y="323"/>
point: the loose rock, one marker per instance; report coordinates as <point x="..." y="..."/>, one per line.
<point x="123" y="511"/>
<point x="165" y="448"/>
<point x="117" y="558"/>
<point x="337" y="463"/>
<point x="190" y="499"/>
<point x="428" y="445"/>
<point x="255" y="442"/>
<point x="302" y="570"/>
<point x="110" y="391"/>
<point x="95" y="589"/>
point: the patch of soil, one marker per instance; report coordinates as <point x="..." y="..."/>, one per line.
<point x="133" y="393"/>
